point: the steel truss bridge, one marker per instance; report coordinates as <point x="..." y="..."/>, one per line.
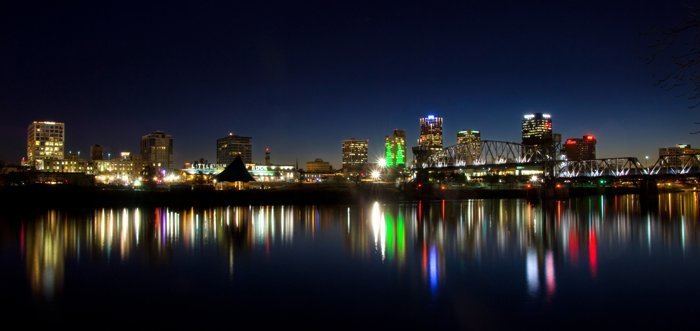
<point x="489" y="154"/>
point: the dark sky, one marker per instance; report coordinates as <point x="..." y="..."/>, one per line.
<point x="301" y="78"/>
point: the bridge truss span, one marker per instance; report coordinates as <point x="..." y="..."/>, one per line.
<point x="608" y="167"/>
<point x="485" y="152"/>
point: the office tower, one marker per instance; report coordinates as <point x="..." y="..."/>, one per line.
<point x="395" y="149"/>
<point x="677" y="155"/>
<point x="157" y="150"/>
<point x="576" y="149"/>
<point x="468" y="137"/>
<point x="96" y="152"/>
<point x="354" y="154"/>
<point x="429" y="140"/>
<point x="45" y="141"/>
<point x="430" y="132"/>
<point x="227" y="148"/>
<point x="537" y="129"/>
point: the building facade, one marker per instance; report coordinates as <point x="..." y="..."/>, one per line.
<point x="45" y="141"/>
<point x="468" y="137"/>
<point x="430" y="132"/>
<point x="430" y="139"/>
<point x="96" y="152"/>
<point x="157" y="150"/>
<point x="354" y="154"/>
<point x="124" y="168"/>
<point x="227" y="148"/>
<point x="577" y="149"/>
<point x="319" y="166"/>
<point x="537" y="129"/>
<point x="677" y="155"/>
<point x="395" y="149"/>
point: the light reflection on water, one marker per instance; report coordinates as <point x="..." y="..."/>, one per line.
<point x="428" y="240"/>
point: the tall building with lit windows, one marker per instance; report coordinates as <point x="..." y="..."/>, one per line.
<point x="577" y="149"/>
<point x="537" y="129"/>
<point x="157" y="150"/>
<point x="354" y="154"/>
<point x="227" y="148"/>
<point x="430" y="132"/>
<point x="395" y="149"/>
<point x="429" y="140"/>
<point x="45" y="141"/>
<point x="468" y="137"/>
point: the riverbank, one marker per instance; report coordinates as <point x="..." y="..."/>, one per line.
<point x="74" y="196"/>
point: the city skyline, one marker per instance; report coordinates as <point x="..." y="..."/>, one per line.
<point x="593" y="77"/>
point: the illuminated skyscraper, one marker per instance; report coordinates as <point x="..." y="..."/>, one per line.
<point x="430" y="139"/>
<point x="354" y="154"/>
<point x="45" y="141"/>
<point x="395" y="149"/>
<point x="227" y="148"/>
<point x="430" y="132"/>
<point x="577" y="149"/>
<point x="537" y="129"/>
<point x="468" y="136"/>
<point x="157" y="150"/>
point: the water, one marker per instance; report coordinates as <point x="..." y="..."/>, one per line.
<point x="475" y="264"/>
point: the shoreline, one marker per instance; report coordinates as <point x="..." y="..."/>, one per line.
<point x="70" y="196"/>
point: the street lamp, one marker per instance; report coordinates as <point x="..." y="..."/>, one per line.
<point x="375" y="174"/>
<point x="381" y="163"/>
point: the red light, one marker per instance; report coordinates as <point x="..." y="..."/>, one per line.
<point x="558" y="185"/>
<point x="442" y="187"/>
<point x="590" y="137"/>
<point x="571" y="141"/>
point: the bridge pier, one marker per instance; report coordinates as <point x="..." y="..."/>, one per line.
<point x="551" y="190"/>
<point x="647" y="187"/>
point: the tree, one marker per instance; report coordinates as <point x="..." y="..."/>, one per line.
<point x="679" y="47"/>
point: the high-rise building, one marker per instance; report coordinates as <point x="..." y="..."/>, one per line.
<point x="96" y="152"/>
<point x="430" y="132"/>
<point x="227" y="148"/>
<point x="537" y="129"/>
<point x="395" y="149"/>
<point x="429" y="140"/>
<point x="157" y="150"/>
<point x="677" y="155"/>
<point x="577" y="149"/>
<point x="468" y="137"/>
<point x="45" y="141"/>
<point x="354" y="154"/>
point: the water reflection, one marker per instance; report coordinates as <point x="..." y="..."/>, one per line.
<point x="426" y="240"/>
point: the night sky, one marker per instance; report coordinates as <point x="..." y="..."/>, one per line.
<point x="301" y="78"/>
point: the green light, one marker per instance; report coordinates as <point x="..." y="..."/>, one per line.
<point x="395" y="152"/>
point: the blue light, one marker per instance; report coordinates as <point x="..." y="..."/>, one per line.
<point x="431" y="117"/>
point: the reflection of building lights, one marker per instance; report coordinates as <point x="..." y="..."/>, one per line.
<point x="433" y="269"/>
<point x="533" y="282"/>
<point x="549" y="273"/>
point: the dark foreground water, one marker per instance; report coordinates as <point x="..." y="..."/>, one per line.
<point x="589" y="263"/>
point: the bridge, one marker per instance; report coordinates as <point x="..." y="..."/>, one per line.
<point x="490" y="156"/>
